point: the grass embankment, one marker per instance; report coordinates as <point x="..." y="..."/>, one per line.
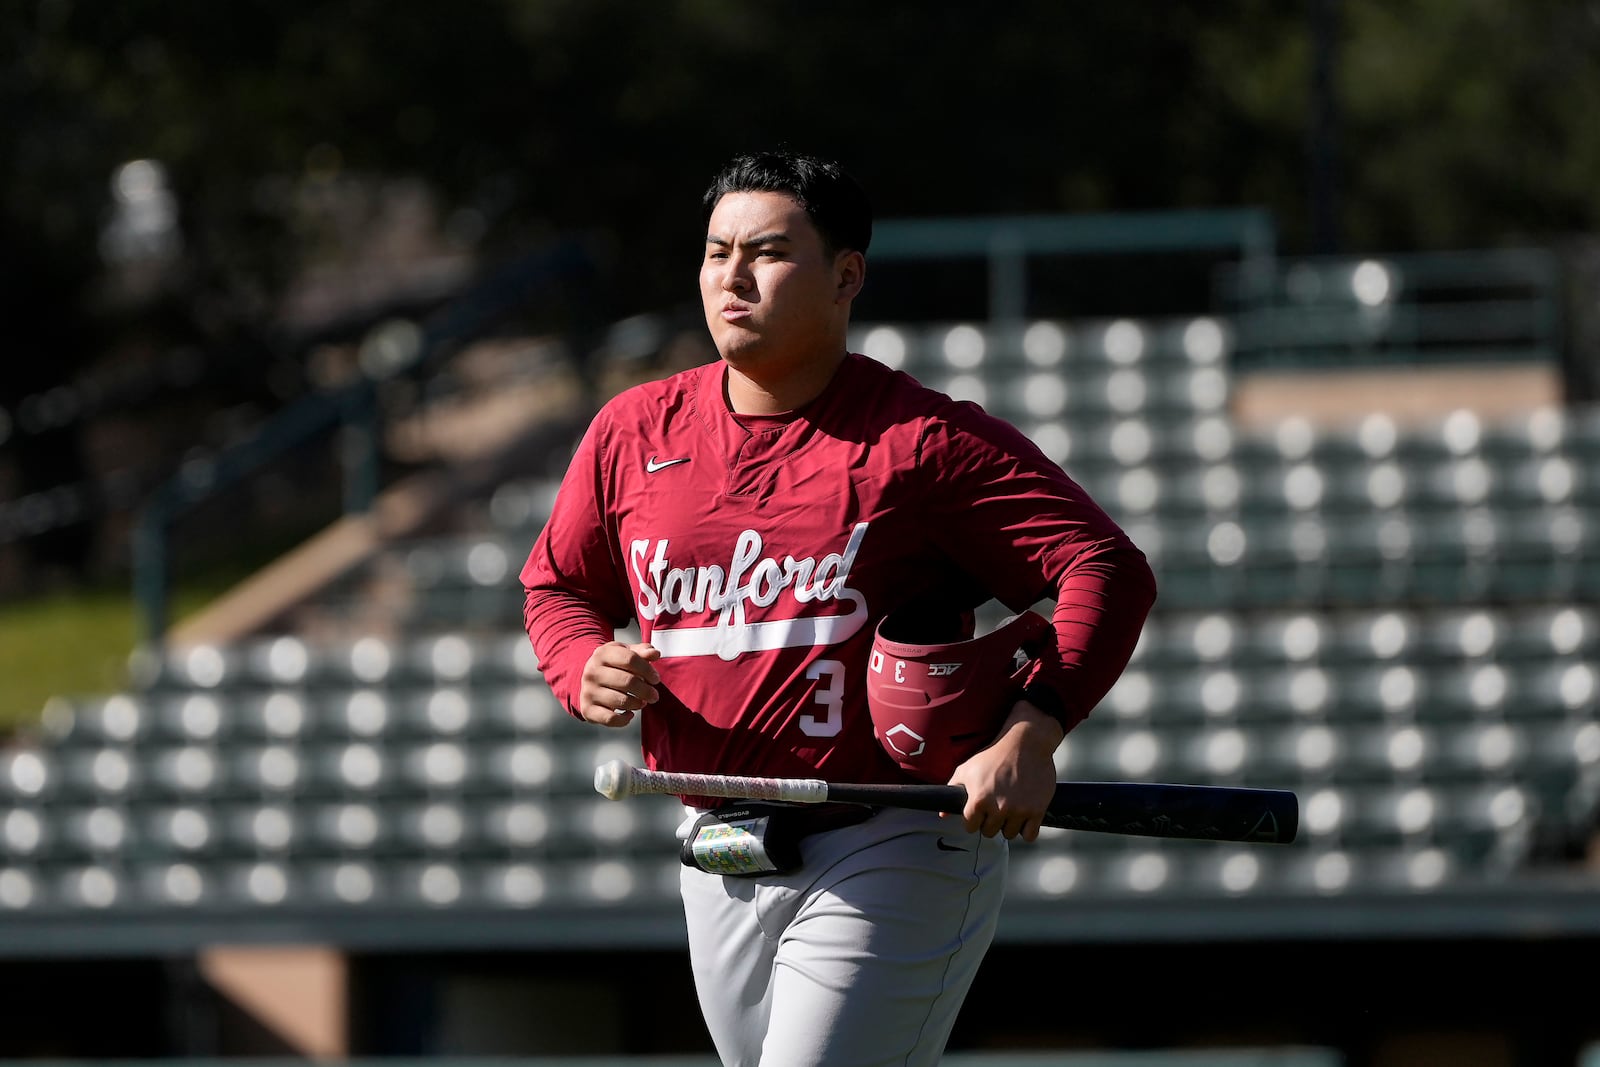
<point x="76" y="643"/>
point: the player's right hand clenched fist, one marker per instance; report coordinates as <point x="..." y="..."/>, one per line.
<point x="618" y="680"/>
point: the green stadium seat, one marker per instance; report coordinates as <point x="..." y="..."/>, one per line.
<point x="514" y="711"/>
<point x="1286" y="635"/>
<point x="1216" y="693"/>
<point x="177" y="832"/>
<point x="528" y="765"/>
<point x="1554" y="689"/>
<point x="1224" y="754"/>
<point x="1215" y="870"/>
<point x="433" y="827"/>
<point x="1466" y="692"/>
<point x="94" y="721"/>
<point x="346" y="827"/>
<point x="88" y="775"/>
<point x="896" y="346"/>
<point x="1302" y="692"/>
<point x="267" y="770"/>
<point x="519" y="508"/>
<point x="88" y="887"/>
<point x="1194" y="341"/>
<point x="1144" y="871"/>
<point x="1324" y="871"/>
<point x="1206" y="491"/>
<point x="1044" y="873"/>
<point x="1115" y="342"/>
<point x="1188" y="441"/>
<point x="1352" y="754"/>
<point x="1135" y="698"/>
<point x="1024" y="398"/>
<point x="1102" y="750"/>
<point x="1537" y="482"/>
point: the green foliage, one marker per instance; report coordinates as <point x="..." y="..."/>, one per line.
<point x="76" y="643"/>
<point x="1458" y="123"/>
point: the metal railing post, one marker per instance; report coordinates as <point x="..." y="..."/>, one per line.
<point x="150" y="565"/>
<point x="359" y="452"/>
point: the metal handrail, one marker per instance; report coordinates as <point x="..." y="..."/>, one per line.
<point x="353" y="408"/>
<point x="1007" y="241"/>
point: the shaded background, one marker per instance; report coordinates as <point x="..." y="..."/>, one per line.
<point x="308" y="166"/>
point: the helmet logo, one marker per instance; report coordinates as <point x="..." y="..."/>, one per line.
<point x="942" y="670"/>
<point x="904" y="740"/>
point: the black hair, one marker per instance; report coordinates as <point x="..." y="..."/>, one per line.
<point x="833" y="200"/>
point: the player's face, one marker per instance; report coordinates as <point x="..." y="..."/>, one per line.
<point x="772" y="295"/>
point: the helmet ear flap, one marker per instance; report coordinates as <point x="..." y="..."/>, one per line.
<point x="935" y="702"/>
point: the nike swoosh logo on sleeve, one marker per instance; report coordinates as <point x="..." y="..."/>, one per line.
<point x="653" y="464"/>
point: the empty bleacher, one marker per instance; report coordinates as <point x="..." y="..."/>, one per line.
<point x="1394" y="618"/>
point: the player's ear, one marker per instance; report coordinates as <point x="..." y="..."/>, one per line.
<point x="850" y="273"/>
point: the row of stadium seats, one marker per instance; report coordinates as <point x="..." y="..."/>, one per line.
<point x="1556" y="749"/>
<point x="1165" y="368"/>
<point x="1271" y="486"/>
<point x="132" y="782"/>
<point x="393" y="681"/>
<point x="264" y="885"/>
<point x="1462" y="816"/>
<point x="1065" y="348"/>
<point x="1458" y="511"/>
<point x="239" y="889"/>
<point x="1144" y="464"/>
<point x="1162" y="691"/>
<point x="1533" y="493"/>
<point x="605" y="879"/>
<point x="1480" y="829"/>
<point x="1228" y="557"/>
<point x="1264" y="871"/>
<point x="303" y="829"/>
<point x="1398" y="623"/>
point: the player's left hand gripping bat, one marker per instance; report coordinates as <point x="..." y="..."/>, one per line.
<point x="1144" y="809"/>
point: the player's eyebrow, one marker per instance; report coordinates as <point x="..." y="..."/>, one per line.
<point x="754" y="241"/>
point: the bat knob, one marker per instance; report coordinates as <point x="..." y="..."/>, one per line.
<point x="611" y="780"/>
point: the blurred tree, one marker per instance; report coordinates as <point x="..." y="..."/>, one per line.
<point x="1463" y="124"/>
<point x="1460" y="124"/>
<point x="51" y="186"/>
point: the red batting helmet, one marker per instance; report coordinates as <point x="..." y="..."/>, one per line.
<point x="936" y="693"/>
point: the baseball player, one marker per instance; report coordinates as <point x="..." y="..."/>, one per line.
<point x="758" y="517"/>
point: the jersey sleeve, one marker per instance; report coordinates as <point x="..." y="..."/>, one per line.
<point x="575" y="597"/>
<point x="1030" y="532"/>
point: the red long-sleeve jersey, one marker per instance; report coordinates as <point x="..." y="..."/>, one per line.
<point x="759" y="553"/>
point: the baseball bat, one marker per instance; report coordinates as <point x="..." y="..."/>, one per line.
<point x="1142" y="809"/>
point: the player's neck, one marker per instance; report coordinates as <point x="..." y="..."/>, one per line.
<point x="764" y="391"/>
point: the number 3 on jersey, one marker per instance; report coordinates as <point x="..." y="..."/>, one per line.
<point x="829" y="674"/>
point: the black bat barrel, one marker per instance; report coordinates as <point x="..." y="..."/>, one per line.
<point x="1143" y="809"/>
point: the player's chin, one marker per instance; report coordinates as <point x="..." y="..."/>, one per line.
<point x="735" y="339"/>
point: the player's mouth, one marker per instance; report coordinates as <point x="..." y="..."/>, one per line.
<point x="735" y="312"/>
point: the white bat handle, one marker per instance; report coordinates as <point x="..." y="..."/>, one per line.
<point x="618" y="780"/>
